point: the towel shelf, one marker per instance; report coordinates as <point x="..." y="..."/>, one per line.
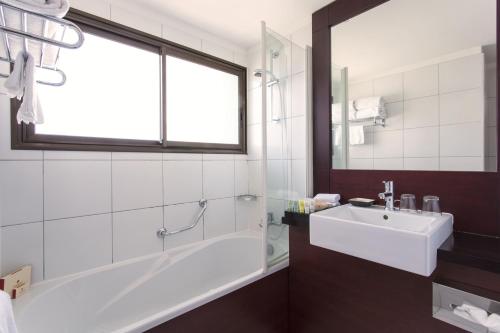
<point x="56" y="41"/>
<point x="377" y="121"/>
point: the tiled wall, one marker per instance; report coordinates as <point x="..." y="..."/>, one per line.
<point x="65" y="212"/>
<point x="437" y="118"/>
<point x="294" y="164"/>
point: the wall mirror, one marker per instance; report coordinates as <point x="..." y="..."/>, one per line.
<point x="414" y="87"/>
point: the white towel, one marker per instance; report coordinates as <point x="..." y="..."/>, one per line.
<point x="328" y="197"/>
<point x="57" y="8"/>
<point x="30" y="110"/>
<point x="7" y="323"/>
<point x="368" y="102"/>
<point x="375" y="112"/>
<point x="356" y="135"/>
<point x="479" y="316"/>
<point x="14" y="85"/>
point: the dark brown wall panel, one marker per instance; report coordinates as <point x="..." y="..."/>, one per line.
<point x="259" y="307"/>
<point x="335" y="293"/>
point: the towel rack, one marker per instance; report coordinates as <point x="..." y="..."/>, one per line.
<point x="376" y="121"/>
<point x="25" y="35"/>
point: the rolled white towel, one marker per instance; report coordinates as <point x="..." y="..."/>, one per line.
<point x="328" y="197"/>
<point x="368" y="103"/>
<point x="479" y="316"/>
<point x="7" y="323"/>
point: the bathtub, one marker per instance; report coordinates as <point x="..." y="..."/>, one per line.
<point x="139" y="294"/>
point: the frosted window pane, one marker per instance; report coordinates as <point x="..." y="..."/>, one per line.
<point x="112" y="91"/>
<point x="202" y="103"/>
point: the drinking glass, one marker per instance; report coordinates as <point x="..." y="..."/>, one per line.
<point x="431" y="204"/>
<point x="408" y="202"/>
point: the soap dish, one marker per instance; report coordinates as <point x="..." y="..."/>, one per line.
<point x="361" y="202"/>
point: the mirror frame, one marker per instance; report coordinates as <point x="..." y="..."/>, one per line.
<point x="472" y="197"/>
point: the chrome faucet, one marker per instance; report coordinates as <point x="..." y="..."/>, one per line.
<point x="388" y="195"/>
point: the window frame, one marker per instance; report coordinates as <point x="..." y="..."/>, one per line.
<point x="23" y="137"/>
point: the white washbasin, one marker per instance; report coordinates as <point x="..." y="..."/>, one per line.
<point x="407" y="241"/>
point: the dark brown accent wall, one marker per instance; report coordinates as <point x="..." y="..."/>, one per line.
<point x="259" y="307"/>
<point x="333" y="292"/>
<point x="473" y="197"/>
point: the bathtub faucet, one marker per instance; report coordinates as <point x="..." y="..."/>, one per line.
<point x="163" y="232"/>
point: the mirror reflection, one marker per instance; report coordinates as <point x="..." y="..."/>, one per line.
<point x="414" y="87"/>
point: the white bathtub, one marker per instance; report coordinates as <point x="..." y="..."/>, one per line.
<point x="139" y="294"/>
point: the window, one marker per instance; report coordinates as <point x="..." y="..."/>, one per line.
<point x="129" y="91"/>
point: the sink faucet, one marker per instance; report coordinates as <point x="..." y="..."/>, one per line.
<point x="388" y="194"/>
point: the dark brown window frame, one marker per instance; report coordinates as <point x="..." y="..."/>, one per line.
<point x="23" y="137"/>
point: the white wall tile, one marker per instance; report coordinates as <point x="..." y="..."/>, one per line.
<point x="134" y="233"/>
<point x="78" y="244"/>
<point x="299" y="178"/>
<point x="220" y="218"/>
<point x="421" y="82"/>
<point x="76" y="188"/>
<point x="462" y="107"/>
<point x="22" y="245"/>
<point x="181" y="37"/>
<point x="275" y="140"/>
<point x="462" y="140"/>
<point x="389" y="87"/>
<point x="276" y="185"/>
<point x="254" y="110"/>
<point x="182" y="157"/>
<point x="255" y="177"/>
<point x="247" y="214"/>
<point x="137" y="156"/>
<point x="217" y="50"/>
<point x="254" y="142"/>
<point x="395" y="117"/>
<point x="218" y="157"/>
<point x="136" y="21"/>
<point x="298" y="59"/>
<point x="360" y="90"/>
<point x="299" y="139"/>
<point x="137" y="184"/>
<point x="388" y="164"/>
<point x="461" y="163"/>
<point x="77" y="155"/>
<point x="360" y="163"/>
<point x="241" y="177"/>
<point x="421" y="112"/>
<point x="218" y="179"/>
<point x="182" y="181"/>
<point x="365" y="150"/>
<point x="298" y="97"/>
<point x="6" y="153"/>
<point x="94" y="7"/>
<point x="421" y="142"/>
<point x="388" y="144"/>
<point x="461" y="74"/>
<point x="21" y="192"/>
<point x="180" y="216"/>
<point x="427" y="163"/>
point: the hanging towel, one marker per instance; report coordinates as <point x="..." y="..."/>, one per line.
<point x="357" y="135"/>
<point x="479" y="316"/>
<point x="14" y="85"/>
<point x="57" y="8"/>
<point x="7" y="323"/>
<point x="30" y="110"/>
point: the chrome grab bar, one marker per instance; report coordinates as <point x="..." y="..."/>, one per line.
<point x="163" y="232"/>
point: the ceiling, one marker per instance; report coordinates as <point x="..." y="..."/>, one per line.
<point x="238" y="21"/>
<point x="406" y="32"/>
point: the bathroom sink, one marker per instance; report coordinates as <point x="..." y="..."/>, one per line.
<point x="403" y="240"/>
